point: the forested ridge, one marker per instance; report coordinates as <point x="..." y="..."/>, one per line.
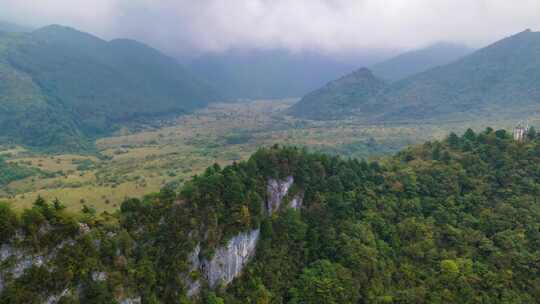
<point x="498" y="80"/>
<point x="61" y="88"/>
<point x="452" y="221"/>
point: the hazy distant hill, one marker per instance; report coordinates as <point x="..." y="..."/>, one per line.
<point x="260" y="74"/>
<point x="13" y="28"/>
<point x="340" y="96"/>
<point x="414" y="62"/>
<point x="59" y="85"/>
<point x="501" y="79"/>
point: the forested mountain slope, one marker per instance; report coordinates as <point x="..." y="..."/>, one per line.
<point x="455" y="221"/>
<point x="60" y="86"/>
<point x="11" y="27"/>
<point x="339" y="97"/>
<point x="500" y="79"/>
<point x="417" y="61"/>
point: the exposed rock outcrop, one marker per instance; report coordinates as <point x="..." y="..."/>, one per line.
<point x="136" y="300"/>
<point x="276" y="191"/>
<point x="21" y="260"/>
<point x="99" y="276"/>
<point x="56" y="298"/>
<point x="296" y="202"/>
<point x="194" y="286"/>
<point x="228" y="262"/>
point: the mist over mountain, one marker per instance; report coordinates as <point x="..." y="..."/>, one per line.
<point x="500" y="79"/>
<point x="12" y="28"/>
<point x="260" y="74"/>
<point x="175" y="164"/>
<point x="416" y="61"/>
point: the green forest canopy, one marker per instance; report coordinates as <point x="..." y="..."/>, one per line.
<point x="452" y="221"/>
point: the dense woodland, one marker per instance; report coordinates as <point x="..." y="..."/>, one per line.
<point x="60" y="88"/>
<point x="452" y="221"/>
<point x="500" y="80"/>
<point x="10" y="172"/>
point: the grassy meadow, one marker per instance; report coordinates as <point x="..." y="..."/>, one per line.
<point x="135" y="163"/>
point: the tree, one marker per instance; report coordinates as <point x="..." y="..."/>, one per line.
<point x="436" y="153"/>
<point x="40" y="202"/>
<point x="531" y="133"/>
<point x="58" y="205"/>
<point x="469" y="135"/>
<point x="325" y="282"/>
<point x="500" y="134"/>
<point x="453" y="140"/>
<point x="8" y="222"/>
<point x="213" y="299"/>
<point x="88" y="210"/>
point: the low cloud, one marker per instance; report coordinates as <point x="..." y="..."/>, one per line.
<point x="336" y="26"/>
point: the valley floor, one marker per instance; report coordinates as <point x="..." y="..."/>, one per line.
<point x="138" y="163"/>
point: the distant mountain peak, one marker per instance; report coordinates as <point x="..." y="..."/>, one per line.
<point x="421" y="60"/>
<point x="340" y="96"/>
<point x="505" y="72"/>
<point x="525" y="32"/>
<point x="59" y="33"/>
<point x="12" y="28"/>
<point x="82" y="87"/>
<point x="361" y="74"/>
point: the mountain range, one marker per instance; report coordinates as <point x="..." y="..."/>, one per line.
<point x="11" y="27"/>
<point x="417" y="61"/>
<point x="267" y="74"/>
<point x="500" y="79"/>
<point x="60" y="86"/>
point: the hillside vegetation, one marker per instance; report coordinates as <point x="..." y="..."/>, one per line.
<point x="452" y="221"/>
<point x="339" y="97"/>
<point x="133" y="163"/>
<point x="11" y="27"/>
<point x="499" y="80"/>
<point x="12" y="172"/>
<point x="417" y="61"/>
<point x="60" y="87"/>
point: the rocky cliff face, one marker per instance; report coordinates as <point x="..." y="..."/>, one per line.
<point x="297" y="200"/>
<point x="229" y="261"/>
<point x="136" y="300"/>
<point x="18" y="261"/>
<point x="226" y="264"/>
<point x="223" y="267"/>
<point x="276" y="191"/>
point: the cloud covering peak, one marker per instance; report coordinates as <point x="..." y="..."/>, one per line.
<point x="323" y="25"/>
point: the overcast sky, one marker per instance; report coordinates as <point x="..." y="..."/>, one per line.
<point x="323" y="25"/>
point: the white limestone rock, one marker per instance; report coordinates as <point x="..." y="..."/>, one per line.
<point x="84" y="228"/>
<point x="276" y="191"/>
<point x="136" y="300"/>
<point x="6" y="251"/>
<point x="228" y="262"/>
<point x="194" y="287"/>
<point x="99" y="276"/>
<point x="297" y="200"/>
<point x="55" y="298"/>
